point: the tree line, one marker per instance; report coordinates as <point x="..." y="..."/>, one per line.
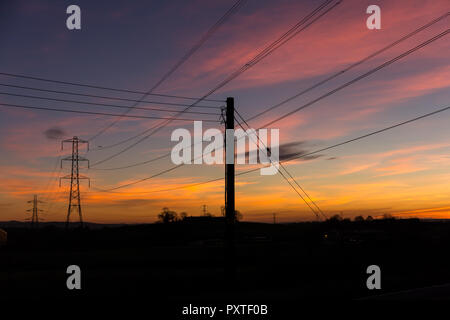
<point x="169" y="216"/>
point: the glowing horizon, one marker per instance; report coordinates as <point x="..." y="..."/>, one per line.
<point x="404" y="172"/>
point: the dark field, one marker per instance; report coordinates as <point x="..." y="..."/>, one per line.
<point x="184" y="262"/>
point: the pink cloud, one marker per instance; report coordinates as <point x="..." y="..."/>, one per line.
<point x="305" y="55"/>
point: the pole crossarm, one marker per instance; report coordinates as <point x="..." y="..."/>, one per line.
<point x="78" y="140"/>
<point x="71" y="158"/>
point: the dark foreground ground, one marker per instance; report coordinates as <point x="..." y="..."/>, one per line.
<point x="182" y="263"/>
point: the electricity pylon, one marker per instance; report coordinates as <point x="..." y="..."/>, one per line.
<point x="35" y="211"/>
<point x="74" y="176"/>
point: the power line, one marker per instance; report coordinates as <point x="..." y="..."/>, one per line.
<point x="246" y="66"/>
<point x="50" y="199"/>
<point x="104" y="97"/>
<point x="100" y="104"/>
<point x="341" y="87"/>
<point x="423" y="44"/>
<point x="145" y="179"/>
<point x="77" y="84"/>
<point x="374" y="54"/>
<point x="165" y="190"/>
<point x="281" y="173"/>
<point x="366" y="74"/>
<point x="287" y="172"/>
<point x="202" y="40"/>
<point x="196" y="46"/>
<point x="92" y="112"/>
<point x="139" y="163"/>
<point x="372" y="133"/>
<point x="134" y="165"/>
<point x="264" y="53"/>
<point x="294" y="157"/>
<point x="288" y="35"/>
<point x="52" y="176"/>
<point x="58" y="198"/>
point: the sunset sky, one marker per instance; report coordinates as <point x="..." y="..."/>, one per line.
<point x="132" y="44"/>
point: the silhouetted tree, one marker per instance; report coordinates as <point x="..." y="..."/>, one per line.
<point x="359" y="218"/>
<point x="183" y="215"/>
<point x="369" y="218"/>
<point x="167" y="216"/>
<point x="388" y="216"/>
<point x="238" y="215"/>
<point x="335" y="218"/>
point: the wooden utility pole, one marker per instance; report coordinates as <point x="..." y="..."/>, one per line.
<point x="230" y="255"/>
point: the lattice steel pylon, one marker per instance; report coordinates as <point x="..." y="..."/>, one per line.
<point x="74" y="176"/>
<point x="35" y="211"/>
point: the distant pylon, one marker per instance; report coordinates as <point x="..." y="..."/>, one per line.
<point x="74" y="194"/>
<point x="35" y="211"/>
